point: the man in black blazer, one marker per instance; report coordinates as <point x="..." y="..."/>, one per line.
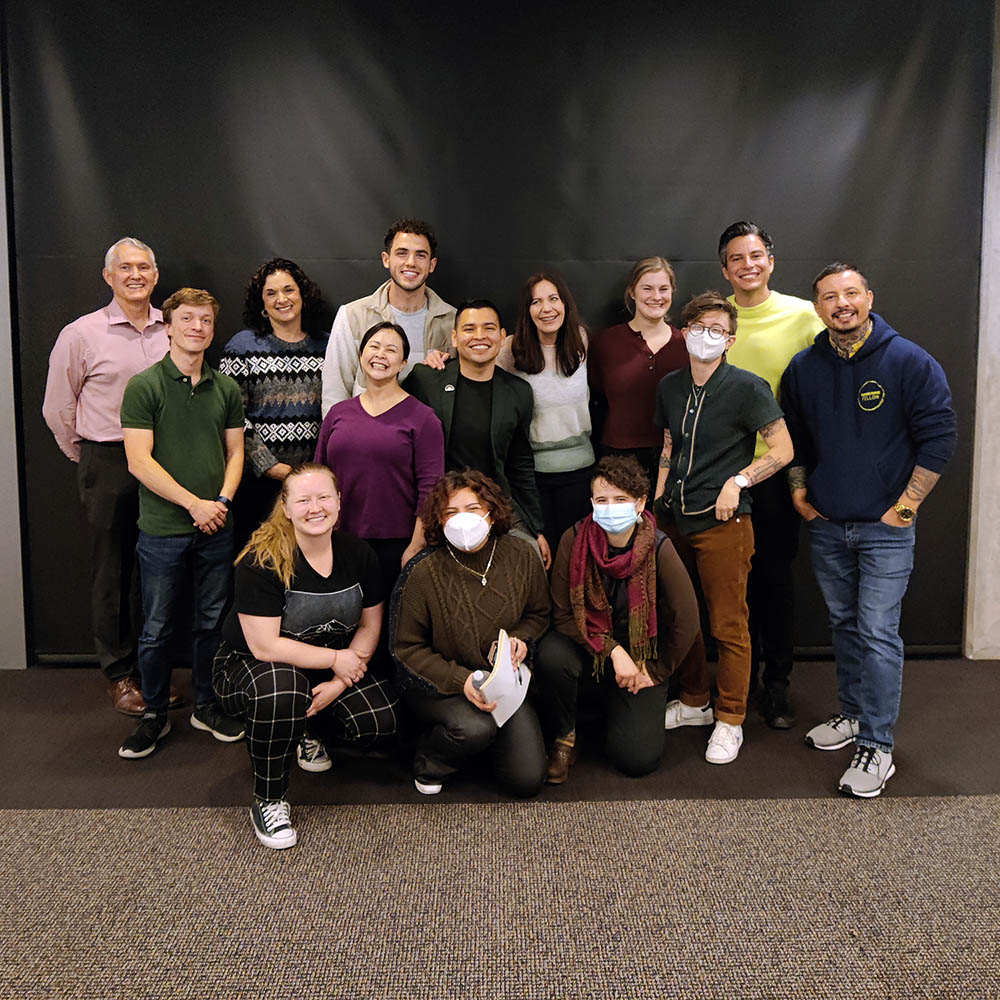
<point x="486" y="413"/>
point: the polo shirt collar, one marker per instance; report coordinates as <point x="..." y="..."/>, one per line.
<point x="716" y="379"/>
<point x="207" y="373"/>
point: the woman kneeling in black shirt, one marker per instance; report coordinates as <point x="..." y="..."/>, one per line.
<point x="297" y="644"/>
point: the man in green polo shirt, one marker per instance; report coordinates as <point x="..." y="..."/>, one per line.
<point x="183" y="428"/>
<point x="710" y="413"/>
<point x="774" y="327"/>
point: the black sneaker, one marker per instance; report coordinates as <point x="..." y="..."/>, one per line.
<point x="223" y="727"/>
<point x="272" y="822"/>
<point x="142" y="742"/>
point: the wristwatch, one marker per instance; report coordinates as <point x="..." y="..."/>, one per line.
<point x="221" y="499"/>
<point x="741" y="481"/>
<point x="905" y="513"/>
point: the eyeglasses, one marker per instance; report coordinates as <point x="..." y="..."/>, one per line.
<point x="714" y="332"/>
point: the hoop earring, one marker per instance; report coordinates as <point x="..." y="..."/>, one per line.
<point x="263" y="313"/>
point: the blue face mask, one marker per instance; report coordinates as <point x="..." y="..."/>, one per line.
<point x="615" y="518"/>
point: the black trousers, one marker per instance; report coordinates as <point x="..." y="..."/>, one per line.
<point x="253" y="502"/>
<point x="565" y="500"/>
<point x="564" y="672"/>
<point x="110" y="497"/>
<point x="770" y="593"/>
<point x="454" y="730"/>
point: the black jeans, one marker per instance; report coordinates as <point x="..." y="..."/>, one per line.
<point x="454" y="730"/>
<point x="635" y="735"/>
<point x="770" y="593"/>
<point x="110" y="496"/>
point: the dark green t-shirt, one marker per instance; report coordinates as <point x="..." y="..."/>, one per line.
<point x="189" y="426"/>
<point x="714" y="432"/>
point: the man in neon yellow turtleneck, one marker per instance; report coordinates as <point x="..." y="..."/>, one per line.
<point x="773" y="329"/>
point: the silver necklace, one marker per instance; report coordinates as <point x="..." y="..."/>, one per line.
<point x="482" y="576"/>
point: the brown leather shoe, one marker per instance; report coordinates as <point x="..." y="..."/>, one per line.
<point x="126" y="696"/>
<point x="561" y="758"/>
<point x="176" y="698"/>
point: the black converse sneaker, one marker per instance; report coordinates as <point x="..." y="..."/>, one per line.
<point x="272" y="822"/>
<point x="142" y="742"/>
<point x="312" y="755"/>
<point x="209" y="719"/>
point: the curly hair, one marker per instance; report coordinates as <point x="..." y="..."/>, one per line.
<point x="416" y="227"/>
<point x="253" y="306"/>
<point x="436" y="502"/>
<point x="570" y="346"/>
<point x="623" y="472"/>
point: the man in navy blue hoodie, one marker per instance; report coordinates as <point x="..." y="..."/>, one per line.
<point x="871" y="419"/>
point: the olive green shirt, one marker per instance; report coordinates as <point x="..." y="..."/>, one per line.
<point x="189" y="425"/>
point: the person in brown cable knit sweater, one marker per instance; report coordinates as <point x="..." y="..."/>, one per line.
<point x="446" y="612"/>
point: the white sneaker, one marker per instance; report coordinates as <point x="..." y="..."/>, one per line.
<point x="427" y="787"/>
<point x="724" y="743"/>
<point x="679" y="714"/>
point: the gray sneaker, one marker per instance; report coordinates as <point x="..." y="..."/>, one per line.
<point x="868" y="773"/>
<point x="833" y="734"/>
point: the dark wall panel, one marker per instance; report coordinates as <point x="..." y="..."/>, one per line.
<point x="580" y="136"/>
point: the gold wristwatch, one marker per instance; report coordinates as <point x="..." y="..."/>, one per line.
<point x="905" y="513"/>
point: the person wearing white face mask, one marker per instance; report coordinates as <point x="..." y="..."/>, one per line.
<point x="445" y="615"/>
<point x="710" y="414"/>
<point x="624" y="616"/>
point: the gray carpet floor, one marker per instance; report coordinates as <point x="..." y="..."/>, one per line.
<point x="807" y="898"/>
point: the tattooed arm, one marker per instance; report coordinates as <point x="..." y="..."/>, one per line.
<point x="922" y="481"/>
<point x="664" y="469"/>
<point x="779" y="453"/>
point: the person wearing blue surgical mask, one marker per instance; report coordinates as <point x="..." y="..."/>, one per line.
<point x="624" y="614"/>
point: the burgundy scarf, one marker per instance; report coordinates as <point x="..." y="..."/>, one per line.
<point x="587" y="598"/>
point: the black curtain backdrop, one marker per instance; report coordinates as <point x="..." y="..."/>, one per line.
<point x="578" y="135"/>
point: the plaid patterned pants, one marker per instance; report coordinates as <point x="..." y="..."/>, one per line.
<point x="273" y="698"/>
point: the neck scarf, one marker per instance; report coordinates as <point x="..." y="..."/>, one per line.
<point x="591" y="611"/>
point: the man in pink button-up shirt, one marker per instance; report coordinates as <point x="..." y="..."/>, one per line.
<point x="91" y="362"/>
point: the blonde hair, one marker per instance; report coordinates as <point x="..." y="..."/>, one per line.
<point x="644" y="266"/>
<point x="273" y="544"/>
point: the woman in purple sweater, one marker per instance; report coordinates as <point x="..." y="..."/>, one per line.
<point x="386" y="449"/>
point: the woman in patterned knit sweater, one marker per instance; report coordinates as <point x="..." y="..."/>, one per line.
<point x="446" y="611"/>
<point x="278" y="363"/>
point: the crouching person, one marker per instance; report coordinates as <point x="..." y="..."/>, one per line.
<point x="295" y="661"/>
<point x="447" y="610"/>
<point x="624" y="615"/>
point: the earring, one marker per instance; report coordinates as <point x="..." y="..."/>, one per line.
<point x="263" y="313"/>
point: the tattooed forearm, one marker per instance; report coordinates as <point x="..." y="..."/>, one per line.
<point x="768" y="431"/>
<point x="668" y="445"/>
<point x="765" y="466"/>
<point x="921" y="483"/>
<point x="796" y="477"/>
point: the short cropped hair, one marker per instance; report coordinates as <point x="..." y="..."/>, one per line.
<point x="489" y="493"/>
<point x="623" y="472"/>
<point x="411" y="225"/>
<point x="838" y="267"/>
<point x="476" y="304"/>
<point x="129" y="241"/>
<point x="738" y="229"/>
<point x="709" y="302"/>
<point x="189" y="297"/>
<point x="644" y="266"/>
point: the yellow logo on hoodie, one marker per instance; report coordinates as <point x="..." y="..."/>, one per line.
<point x="871" y="396"/>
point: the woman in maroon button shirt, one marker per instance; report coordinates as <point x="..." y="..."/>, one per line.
<point x="626" y="363"/>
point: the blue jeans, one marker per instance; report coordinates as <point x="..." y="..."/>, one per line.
<point x="862" y="568"/>
<point x="165" y="565"/>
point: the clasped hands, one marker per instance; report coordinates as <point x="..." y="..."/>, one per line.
<point x="628" y="674"/>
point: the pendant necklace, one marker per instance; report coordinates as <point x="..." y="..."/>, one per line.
<point x="482" y="576"/>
